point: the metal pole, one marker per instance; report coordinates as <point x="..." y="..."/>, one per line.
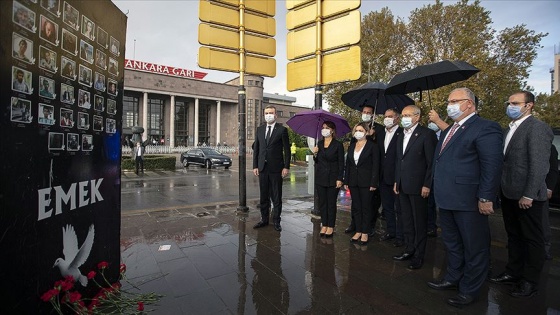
<point x="241" y="97"/>
<point x="318" y="87"/>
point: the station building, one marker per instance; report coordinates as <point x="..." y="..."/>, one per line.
<point x="177" y="107"/>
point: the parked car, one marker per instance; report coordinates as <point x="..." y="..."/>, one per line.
<point x="205" y="157"/>
<point x="555" y="200"/>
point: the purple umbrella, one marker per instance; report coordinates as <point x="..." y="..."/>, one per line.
<point x="310" y="123"/>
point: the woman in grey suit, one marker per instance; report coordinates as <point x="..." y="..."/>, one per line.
<point x="362" y="178"/>
<point x="329" y="170"/>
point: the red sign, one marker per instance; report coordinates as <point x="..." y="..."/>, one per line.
<point x="167" y="70"/>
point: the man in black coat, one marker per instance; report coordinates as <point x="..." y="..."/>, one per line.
<point x="271" y="162"/>
<point x="413" y="181"/>
<point x="551" y="180"/>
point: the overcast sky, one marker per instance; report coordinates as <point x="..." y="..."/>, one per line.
<point x="166" y="32"/>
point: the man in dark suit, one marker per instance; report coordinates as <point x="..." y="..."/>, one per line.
<point x="551" y="180"/>
<point x="524" y="194"/>
<point x="388" y="156"/>
<point x="413" y="181"/>
<point x="467" y="167"/>
<point x="271" y="162"/>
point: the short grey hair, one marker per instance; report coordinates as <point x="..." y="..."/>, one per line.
<point x="470" y="94"/>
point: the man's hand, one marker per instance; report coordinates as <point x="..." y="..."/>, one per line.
<point x="285" y="172"/>
<point x="485" y="208"/>
<point x="395" y="189"/>
<point x="525" y="203"/>
<point x="371" y="188"/>
<point x="256" y="171"/>
<point x="548" y="193"/>
<point x="425" y="192"/>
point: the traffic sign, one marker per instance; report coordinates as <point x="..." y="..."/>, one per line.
<point x="342" y="31"/>
<point x="306" y="14"/>
<point x="260" y="6"/>
<point x="290" y="4"/>
<point x="217" y="59"/>
<point x="216" y="36"/>
<point x="342" y="65"/>
<point x="214" y="13"/>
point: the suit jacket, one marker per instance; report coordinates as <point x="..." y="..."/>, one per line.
<point x="469" y="167"/>
<point x="329" y="165"/>
<point x="366" y="172"/>
<point x="276" y="154"/>
<point x="389" y="158"/>
<point x="527" y="161"/>
<point x="414" y="167"/>
<point x="135" y="152"/>
<point x="552" y="176"/>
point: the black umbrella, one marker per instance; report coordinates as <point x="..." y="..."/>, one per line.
<point x="431" y="76"/>
<point x="373" y="94"/>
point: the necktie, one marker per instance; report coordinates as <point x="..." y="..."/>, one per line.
<point x="267" y="135"/>
<point x="451" y="132"/>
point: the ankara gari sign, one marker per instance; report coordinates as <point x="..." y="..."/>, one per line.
<point x="167" y="70"/>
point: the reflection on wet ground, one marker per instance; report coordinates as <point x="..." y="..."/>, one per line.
<point x="218" y="264"/>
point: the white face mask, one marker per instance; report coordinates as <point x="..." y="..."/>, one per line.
<point x="433" y="126"/>
<point x="406" y="122"/>
<point x="325" y="132"/>
<point x="454" y="111"/>
<point x="366" y="117"/>
<point x="269" y="118"/>
<point x="359" y="135"/>
<point x="388" y="122"/>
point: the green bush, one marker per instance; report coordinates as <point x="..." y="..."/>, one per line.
<point x="151" y="162"/>
<point x="301" y="153"/>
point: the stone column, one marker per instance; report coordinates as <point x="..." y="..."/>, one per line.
<point x="172" y="123"/>
<point x="196" y="122"/>
<point x="218" y="121"/>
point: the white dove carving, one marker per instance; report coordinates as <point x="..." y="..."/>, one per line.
<point x="74" y="257"/>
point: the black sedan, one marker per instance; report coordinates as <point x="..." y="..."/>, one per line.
<point x="205" y="157"/>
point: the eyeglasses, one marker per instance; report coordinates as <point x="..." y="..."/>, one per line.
<point x="514" y="103"/>
<point x="457" y="101"/>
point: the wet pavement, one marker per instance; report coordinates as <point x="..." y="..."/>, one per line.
<point x="207" y="259"/>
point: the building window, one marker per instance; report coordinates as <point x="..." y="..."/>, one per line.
<point x="203" y="130"/>
<point x="280" y="113"/>
<point x="155" y="120"/>
<point x="181" y="123"/>
<point x="250" y="82"/>
<point x="131" y="104"/>
<point x="250" y="120"/>
<point x="292" y="114"/>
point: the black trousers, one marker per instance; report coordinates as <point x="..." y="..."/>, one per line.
<point x="327" y="204"/>
<point x="139" y="164"/>
<point x="414" y="211"/>
<point x="270" y="185"/>
<point x="361" y="207"/>
<point x="525" y="239"/>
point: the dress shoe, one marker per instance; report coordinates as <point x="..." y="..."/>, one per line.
<point x="362" y="242"/>
<point x="415" y="263"/>
<point x="504" y="278"/>
<point x="402" y="257"/>
<point x="277" y="227"/>
<point x="524" y="289"/>
<point x="371" y="233"/>
<point x="350" y="229"/>
<point x="460" y="300"/>
<point x="398" y="243"/>
<point x="329" y="235"/>
<point x="386" y="237"/>
<point x="442" y="285"/>
<point x="432" y="233"/>
<point x="260" y="225"/>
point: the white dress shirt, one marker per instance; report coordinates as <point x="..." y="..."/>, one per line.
<point x="389" y="133"/>
<point x="407" y="133"/>
<point x="512" y="128"/>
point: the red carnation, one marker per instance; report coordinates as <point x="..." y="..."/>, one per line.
<point x="103" y="265"/>
<point x="140" y="306"/>
<point x="91" y="274"/>
<point x="122" y="268"/>
<point x="67" y="285"/>
<point x="49" y="295"/>
<point x="116" y="286"/>
<point x="74" y="296"/>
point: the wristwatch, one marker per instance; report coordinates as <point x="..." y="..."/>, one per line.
<point x="483" y="200"/>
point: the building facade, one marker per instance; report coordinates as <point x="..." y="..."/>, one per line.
<point x="177" y="108"/>
<point x="555" y="74"/>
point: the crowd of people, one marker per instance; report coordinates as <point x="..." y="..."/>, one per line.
<point x="467" y="169"/>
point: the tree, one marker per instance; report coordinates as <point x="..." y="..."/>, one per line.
<point x="435" y="32"/>
<point x="547" y="108"/>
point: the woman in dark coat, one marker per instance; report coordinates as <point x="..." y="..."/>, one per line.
<point x="329" y="172"/>
<point x="362" y="178"/>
